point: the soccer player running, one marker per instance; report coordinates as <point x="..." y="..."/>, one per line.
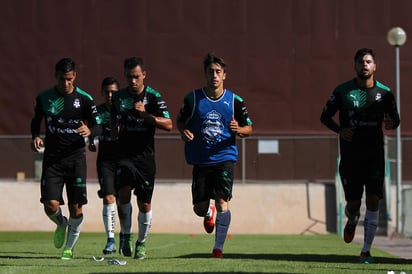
<point x="70" y="116"/>
<point x="137" y="111"/>
<point x="364" y="104"/>
<point x="208" y="122"/>
<point x="106" y="163"/>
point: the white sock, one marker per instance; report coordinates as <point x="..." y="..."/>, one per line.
<point x="145" y="222"/>
<point x="109" y="217"/>
<point x="73" y="232"/>
<point x="222" y="227"/>
<point x="209" y="212"/>
<point x="125" y="217"/>
<point x="57" y="217"/>
<point x="370" y="227"/>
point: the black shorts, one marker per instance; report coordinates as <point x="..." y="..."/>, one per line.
<point x="106" y="170"/>
<point x="139" y="173"/>
<point x="362" y="171"/>
<point x="212" y="182"/>
<point x="69" y="171"/>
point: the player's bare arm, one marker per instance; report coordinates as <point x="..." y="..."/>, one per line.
<point x="37" y="144"/>
<point x="163" y="123"/>
<point x="158" y="122"/>
<point x="346" y="133"/>
<point x="185" y="134"/>
<point x="84" y="130"/>
<point x="388" y="121"/>
<point x="244" y="131"/>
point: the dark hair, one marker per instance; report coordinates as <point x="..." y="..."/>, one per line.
<point x="362" y="52"/>
<point x="65" y="65"/>
<point x="213" y="59"/>
<point x="109" y="81"/>
<point x="132" y="62"/>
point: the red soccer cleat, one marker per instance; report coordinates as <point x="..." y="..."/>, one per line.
<point x="217" y="253"/>
<point x="349" y="231"/>
<point x="209" y="222"/>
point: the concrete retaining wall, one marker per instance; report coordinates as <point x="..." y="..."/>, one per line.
<point x="294" y="208"/>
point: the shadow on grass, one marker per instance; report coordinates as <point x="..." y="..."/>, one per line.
<point x="331" y="258"/>
<point x="24" y="255"/>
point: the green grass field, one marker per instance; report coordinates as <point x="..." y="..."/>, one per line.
<point x="33" y="252"/>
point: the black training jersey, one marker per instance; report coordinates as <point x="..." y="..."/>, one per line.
<point x="107" y="147"/>
<point x="362" y="110"/>
<point x="63" y="114"/>
<point x="135" y="135"/>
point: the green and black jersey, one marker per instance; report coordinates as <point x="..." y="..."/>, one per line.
<point x="362" y="110"/>
<point x="63" y="114"/>
<point x="107" y="147"/>
<point x="136" y="136"/>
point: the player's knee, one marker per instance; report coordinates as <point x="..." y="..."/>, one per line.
<point x="222" y="207"/>
<point x="372" y="202"/>
<point x="51" y="206"/>
<point x="222" y="204"/>
<point x="144" y="207"/>
<point x="125" y="194"/>
<point x="75" y="210"/>
<point x="109" y="199"/>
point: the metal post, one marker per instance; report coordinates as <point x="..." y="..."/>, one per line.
<point x="398" y="150"/>
<point x="243" y="160"/>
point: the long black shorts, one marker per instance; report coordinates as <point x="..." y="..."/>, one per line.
<point x="212" y="181"/>
<point x="69" y="171"/>
<point x="106" y="170"/>
<point x="139" y="173"/>
<point x="362" y="172"/>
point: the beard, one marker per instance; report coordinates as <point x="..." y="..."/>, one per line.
<point x="363" y="76"/>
